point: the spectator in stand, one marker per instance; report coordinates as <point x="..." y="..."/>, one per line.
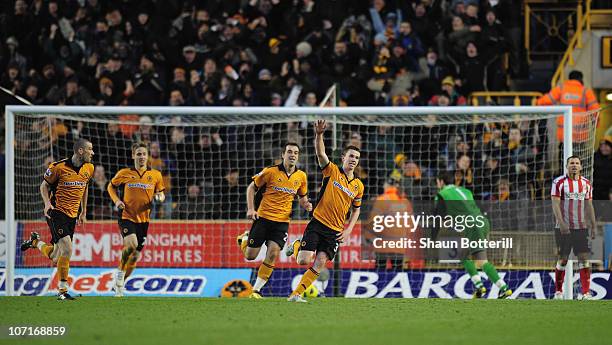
<point x="231" y="202"/>
<point x="602" y="169"/>
<point x="413" y="185"/>
<point x="454" y="44"/>
<point x="194" y="206"/>
<point x="435" y="72"/>
<point x="494" y="45"/>
<point x="100" y="203"/>
<point x="448" y="88"/>
<point x="148" y="83"/>
<point x="472" y="70"/>
<point x="71" y="94"/>
<point x="163" y="165"/>
<point x="522" y="164"/>
<point x="464" y="174"/>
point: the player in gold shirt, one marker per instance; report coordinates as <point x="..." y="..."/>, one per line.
<point x="278" y="186"/>
<point x="139" y="185"/>
<point x="340" y="191"/>
<point x="64" y="192"/>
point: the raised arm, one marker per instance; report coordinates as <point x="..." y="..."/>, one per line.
<point x="320" y="127"/>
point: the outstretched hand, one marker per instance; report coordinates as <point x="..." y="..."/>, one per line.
<point x="320" y="126"/>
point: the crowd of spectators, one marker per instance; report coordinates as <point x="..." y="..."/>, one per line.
<point x="272" y="53"/>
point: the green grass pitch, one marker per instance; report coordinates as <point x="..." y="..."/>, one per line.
<point x="174" y="321"/>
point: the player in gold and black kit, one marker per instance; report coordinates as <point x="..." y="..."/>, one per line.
<point x="340" y="191"/>
<point x="139" y="186"/>
<point x="64" y="192"/>
<point x="278" y="185"/>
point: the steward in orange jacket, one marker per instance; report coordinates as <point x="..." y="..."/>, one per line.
<point x="582" y="100"/>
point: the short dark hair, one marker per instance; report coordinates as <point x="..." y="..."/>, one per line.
<point x="447" y="176"/>
<point x="138" y="145"/>
<point x="292" y="144"/>
<point x="351" y="147"/>
<point x="575" y="75"/>
<point x="572" y="157"/>
<point x="81" y="143"/>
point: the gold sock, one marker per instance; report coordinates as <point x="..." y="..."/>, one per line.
<point x="243" y="246"/>
<point x="265" y="271"/>
<point x="130" y="265"/>
<point x="296" y="248"/>
<point x="310" y="276"/>
<point x="47" y="249"/>
<point x="126" y="253"/>
<point x="63" y="267"/>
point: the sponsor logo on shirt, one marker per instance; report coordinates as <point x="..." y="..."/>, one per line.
<point x="140" y="185"/>
<point x="75" y="183"/>
<point x="344" y="189"/>
<point x="285" y="190"/>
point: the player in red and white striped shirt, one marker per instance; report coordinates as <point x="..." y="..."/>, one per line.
<point x="572" y="203"/>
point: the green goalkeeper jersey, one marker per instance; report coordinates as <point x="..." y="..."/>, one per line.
<point x="458" y="201"/>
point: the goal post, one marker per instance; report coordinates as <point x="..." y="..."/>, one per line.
<point x="346" y="124"/>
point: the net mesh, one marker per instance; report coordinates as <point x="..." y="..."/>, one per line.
<point x="207" y="162"/>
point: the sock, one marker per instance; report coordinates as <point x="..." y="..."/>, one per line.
<point x="62" y="286"/>
<point x="264" y="273"/>
<point x="470" y="268"/>
<point x="125" y="256"/>
<point x="296" y="248"/>
<point x="491" y="272"/>
<point x="44" y="248"/>
<point x="130" y="266"/>
<point x="243" y="245"/>
<point x="63" y="266"/>
<point x="310" y="276"/>
<point x="559" y="276"/>
<point x="585" y="277"/>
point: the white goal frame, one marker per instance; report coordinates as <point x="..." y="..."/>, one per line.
<point x="328" y="113"/>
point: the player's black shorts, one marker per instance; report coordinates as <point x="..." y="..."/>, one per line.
<point x="320" y="238"/>
<point x="127" y="227"/>
<point x="60" y="225"/>
<point x="578" y="240"/>
<point x="264" y="230"/>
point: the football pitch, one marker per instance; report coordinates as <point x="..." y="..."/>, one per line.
<point x="174" y="321"/>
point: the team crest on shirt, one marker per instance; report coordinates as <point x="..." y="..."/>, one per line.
<point x="86" y="174"/>
<point x="60" y="231"/>
<point x="280" y="180"/>
<point x="303" y="244"/>
<point x="149" y="178"/>
<point x="125" y="230"/>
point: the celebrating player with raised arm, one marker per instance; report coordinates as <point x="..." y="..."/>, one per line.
<point x="64" y="192"/>
<point x="572" y="205"/>
<point x="139" y="186"/>
<point x="339" y="191"/>
<point x="278" y="185"/>
<point x="458" y="201"/>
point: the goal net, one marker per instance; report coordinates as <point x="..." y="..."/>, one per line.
<point x="507" y="156"/>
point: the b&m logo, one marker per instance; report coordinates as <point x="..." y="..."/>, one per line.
<point x="144" y="282"/>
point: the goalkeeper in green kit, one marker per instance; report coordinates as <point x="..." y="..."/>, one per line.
<point x="459" y="202"/>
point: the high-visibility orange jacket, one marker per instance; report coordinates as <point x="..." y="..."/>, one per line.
<point x="581" y="99"/>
